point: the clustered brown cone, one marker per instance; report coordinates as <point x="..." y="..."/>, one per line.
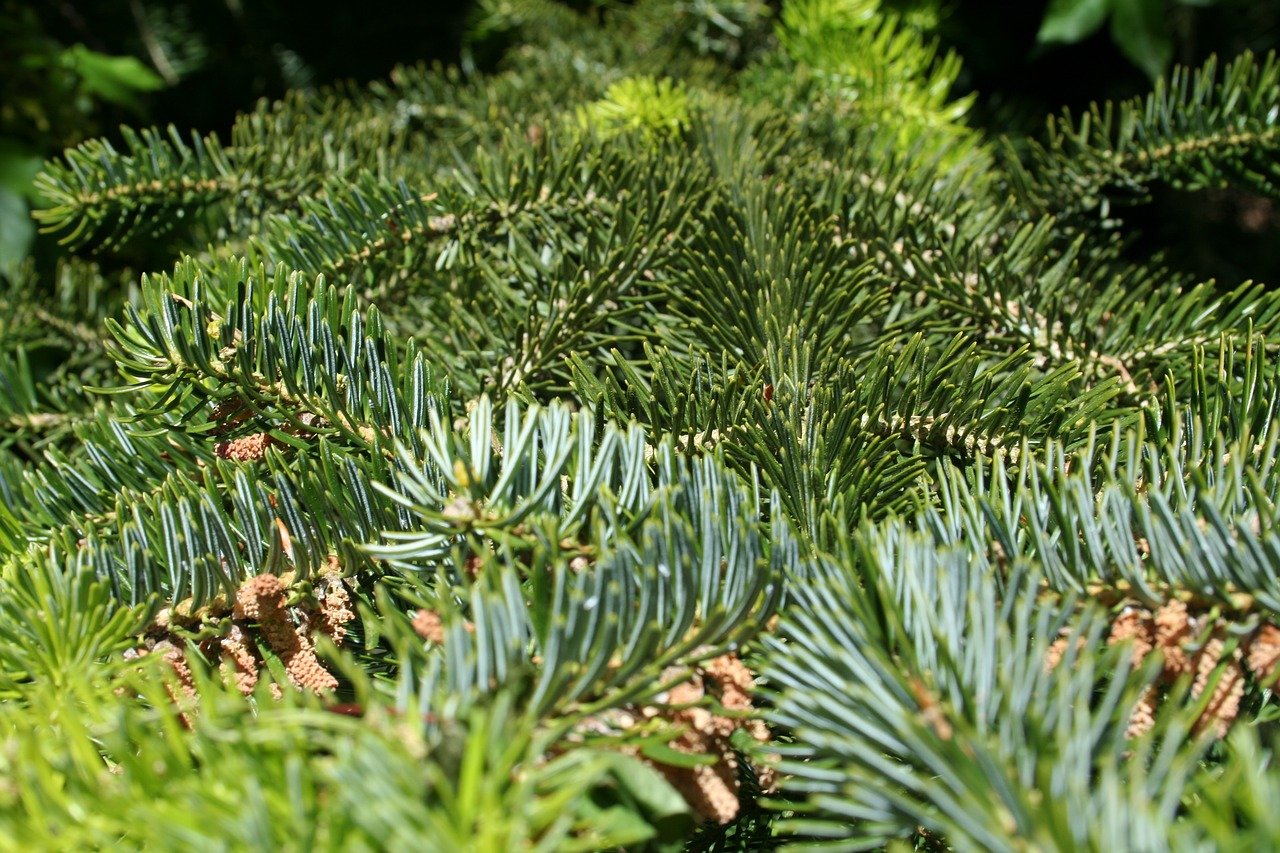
<point x="247" y="448"/>
<point x="174" y="654"/>
<point x="726" y="684"/>
<point x="429" y="626"/>
<point x="1190" y="645"/>
<point x="176" y="657"/>
<point x="335" y="610"/>
<point x="262" y="599"/>
<point x="238" y="653"/>
<point x="1264" y="653"/>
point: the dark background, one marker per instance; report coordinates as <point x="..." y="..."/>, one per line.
<point x="219" y="57"/>
<point x="231" y="52"/>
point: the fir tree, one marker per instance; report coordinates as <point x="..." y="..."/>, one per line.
<point x="689" y="433"/>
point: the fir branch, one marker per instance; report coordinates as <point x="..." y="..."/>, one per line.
<point x="1197" y="129"/>
<point x="959" y="726"/>
<point x="100" y="194"/>
<point x="309" y="363"/>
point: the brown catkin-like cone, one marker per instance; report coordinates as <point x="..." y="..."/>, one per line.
<point x="767" y="777"/>
<point x="686" y="692"/>
<point x="237" y="652"/>
<point x="262" y="598"/>
<point x="1054" y="654"/>
<point x="259" y="594"/>
<point x="473" y="566"/>
<point x="429" y="626"/>
<point x="1173" y="629"/>
<point x="736" y="683"/>
<point x="335" y="611"/>
<point x="1264" y="652"/>
<point x="712" y="789"/>
<point x="1134" y="624"/>
<point x="176" y="657"/>
<point x="1143" y="717"/>
<point x="304" y="668"/>
<point x="226" y="409"/>
<point x="1058" y="649"/>
<point x="248" y="448"/>
<point x="1224" y="703"/>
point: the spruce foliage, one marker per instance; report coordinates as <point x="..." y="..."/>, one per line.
<point x="686" y="433"/>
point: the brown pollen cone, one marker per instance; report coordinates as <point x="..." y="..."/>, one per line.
<point x="175" y="656"/>
<point x="237" y="651"/>
<point x="1263" y="651"/>
<point x="1174" y="632"/>
<point x="248" y="448"/>
<point x="1224" y="702"/>
<point x="262" y="599"/>
<point x="335" y="611"/>
<point x="712" y="789"/>
<point x="1174" y="628"/>
<point x="429" y="626"/>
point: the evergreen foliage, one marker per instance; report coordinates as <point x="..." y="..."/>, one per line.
<point x="686" y="433"/>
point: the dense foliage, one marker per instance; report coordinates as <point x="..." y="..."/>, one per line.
<point x="691" y="433"/>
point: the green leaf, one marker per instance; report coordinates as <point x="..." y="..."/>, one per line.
<point x="117" y="79"/>
<point x="1139" y="29"/>
<point x="1072" y="20"/>
<point x="620" y="825"/>
<point x="667" y="811"/>
<point x="664" y="754"/>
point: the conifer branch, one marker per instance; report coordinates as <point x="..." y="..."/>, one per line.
<point x="1199" y="128"/>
